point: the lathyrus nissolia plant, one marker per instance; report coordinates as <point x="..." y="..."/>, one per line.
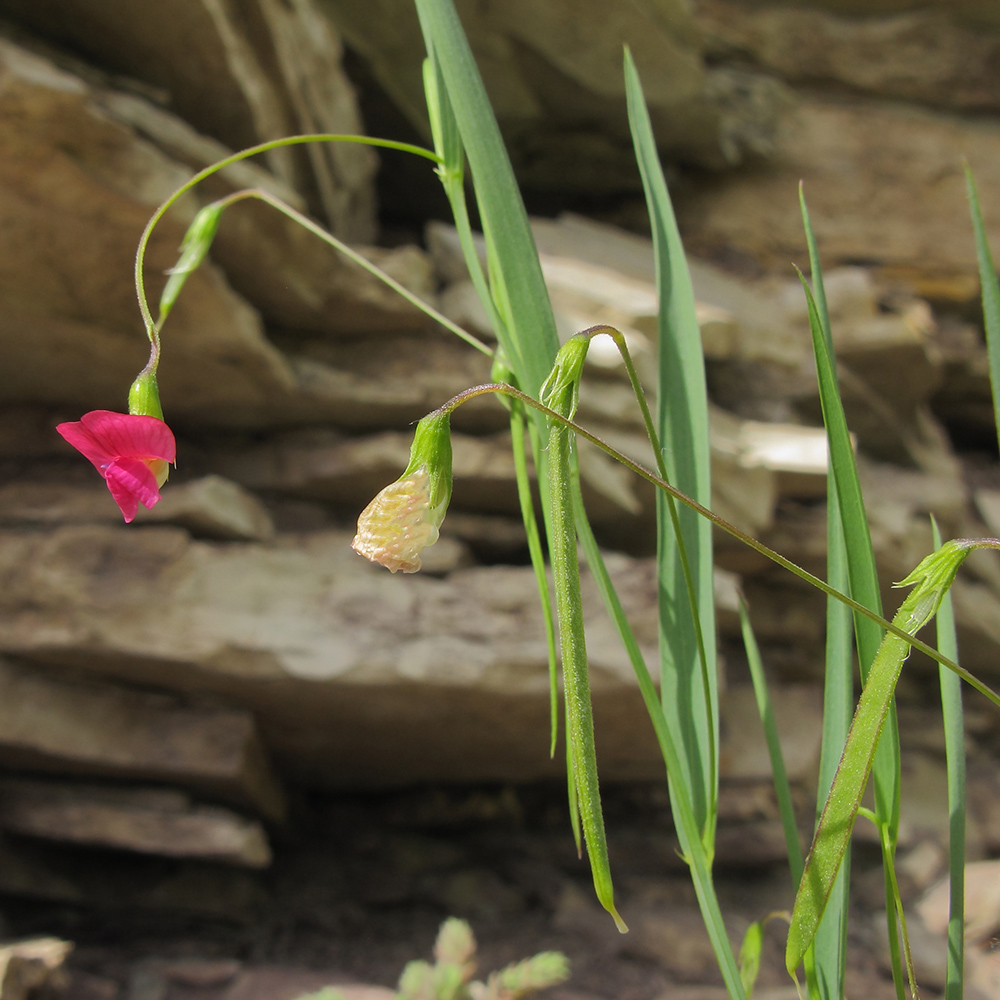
<point x="540" y="387"/>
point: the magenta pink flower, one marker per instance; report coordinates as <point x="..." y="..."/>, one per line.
<point x="131" y="451"/>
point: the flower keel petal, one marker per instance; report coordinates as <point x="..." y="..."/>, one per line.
<point x="131" y="481"/>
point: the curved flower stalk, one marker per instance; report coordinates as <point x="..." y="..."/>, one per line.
<point x="404" y="518"/>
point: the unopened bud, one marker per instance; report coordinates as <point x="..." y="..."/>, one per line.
<point x="405" y="517"/>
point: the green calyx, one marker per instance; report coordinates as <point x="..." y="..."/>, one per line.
<point x="930" y="580"/>
<point x="561" y="390"/>
<point x="144" y="396"/>
<point x="431" y="450"/>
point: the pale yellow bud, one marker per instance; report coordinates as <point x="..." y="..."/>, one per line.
<point x="399" y="524"/>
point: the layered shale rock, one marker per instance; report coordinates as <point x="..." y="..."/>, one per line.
<point x="229" y="643"/>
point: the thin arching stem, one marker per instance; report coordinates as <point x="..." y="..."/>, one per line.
<point x="502" y="388"/>
<point x="293" y="140"/>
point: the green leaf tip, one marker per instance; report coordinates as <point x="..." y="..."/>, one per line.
<point x="607" y="901"/>
<point x="194" y="249"/>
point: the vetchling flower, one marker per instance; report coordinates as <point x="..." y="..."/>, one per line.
<point x="131" y="451"/>
<point x="405" y="517"/>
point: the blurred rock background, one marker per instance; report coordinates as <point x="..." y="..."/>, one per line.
<point x="165" y="685"/>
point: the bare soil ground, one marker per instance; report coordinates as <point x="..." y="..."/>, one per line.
<point x="360" y="885"/>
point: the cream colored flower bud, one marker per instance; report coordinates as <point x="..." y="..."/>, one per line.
<point x="405" y="517"/>
<point x="399" y="524"/>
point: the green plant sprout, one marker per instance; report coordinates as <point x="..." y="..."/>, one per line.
<point x="450" y="977"/>
<point x="539" y="383"/>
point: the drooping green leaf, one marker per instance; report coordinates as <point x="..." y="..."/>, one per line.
<point x="561" y="392"/>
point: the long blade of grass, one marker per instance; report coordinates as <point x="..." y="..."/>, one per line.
<point x="864" y="587"/>
<point x="827" y="965"/>
<point x="782" y="789"/>
<point x="954" y="744"/>
<point x="451" y="172"/>
<point x="530" y="342"/>
<point x="990" y="291"/>
<point x="861" y="569"/>
<point x="688" y="829"/>
<point x="689" y="680"/>
<point x="517" y="434"/>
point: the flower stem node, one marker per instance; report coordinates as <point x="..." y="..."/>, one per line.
<point x="404" y="519"/>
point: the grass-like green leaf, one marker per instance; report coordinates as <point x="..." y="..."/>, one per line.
<point x="782" y="789"/>
<point x="930" y="581"/>
<point x="688" y="671"/>
<point x="864" y="587"/>
<point x="954" y="743"/>
<point x="990" y="291"/>
<point x="528" y="328"/>
<point x="688" y="684"/>
<point x="826" y="965"/>
<point x="860" y="559"/>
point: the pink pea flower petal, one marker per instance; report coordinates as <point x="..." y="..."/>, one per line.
<point x="131" y="452"/>
<point x="132" y="482"/>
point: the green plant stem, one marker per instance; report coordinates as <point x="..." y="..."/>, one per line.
<point x="353" y="255"/>
<point x="140" y="255"/>
<point x="732" y="529"/>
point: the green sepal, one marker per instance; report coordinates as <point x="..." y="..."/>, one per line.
<point x="431" y="449"/>
<point x="144" y="396"/>
<point x="931" y="579"/>
<point x="561" y="390"/>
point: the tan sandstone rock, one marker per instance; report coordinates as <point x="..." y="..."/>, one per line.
<point x="67" y="726"/>
<point x="865" y="164"/>
<point x="144" y="820"/>
<point x="242" y="74"/>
